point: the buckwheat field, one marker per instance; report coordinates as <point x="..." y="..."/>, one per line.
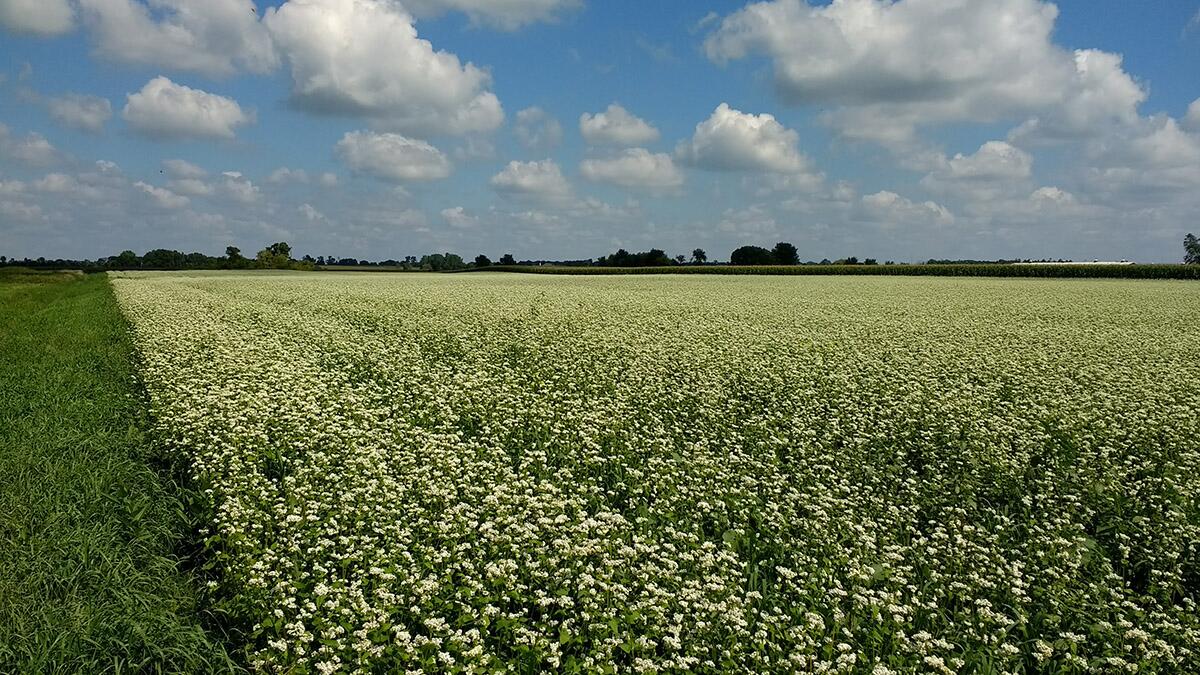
<point x="503" y="473"/>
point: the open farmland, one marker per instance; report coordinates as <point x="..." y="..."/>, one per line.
<point x="473" y="473"/>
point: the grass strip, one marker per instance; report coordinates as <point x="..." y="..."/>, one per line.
<point x="89" y="576"/>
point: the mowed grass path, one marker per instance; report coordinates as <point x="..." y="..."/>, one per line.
<point x="88" y="578"/>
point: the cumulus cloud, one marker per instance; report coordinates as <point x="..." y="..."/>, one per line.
<point x="44" y="18"/>
<point x="892" y="209"/>
<point x="634" y="168"/>
<point x="1157" y="163"/>
<point x="457" y="216"/>
<point x="79" y="111"/>
<point x="363" y="58"/>
<point x="327" y="179"/>
<point x="1192" y="120"/>
<point x="180" y="168"/>
<point x="542" y="179"/>
<point x="311" y="214"/>
<point x="240" y="189"/>
<point x="165" y="110"/>
<point x="616" y="126"/>
<point x="392" y="156"/>
<point x="537" y="130"/>
<point x="214" y="37"/>
<point x="32" y="149"/>
<point x="163" y="197"/>
<point x="285" y="175"/>
<point x="894" y="66"/>
<point x="995" y="169"/>
<point x="731" y="140"/>
<point x="503" y="14"/>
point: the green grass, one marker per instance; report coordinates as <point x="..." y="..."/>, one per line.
<point x="89" y="578"/>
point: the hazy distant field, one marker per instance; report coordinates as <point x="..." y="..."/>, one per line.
<point x="462" y="473"/>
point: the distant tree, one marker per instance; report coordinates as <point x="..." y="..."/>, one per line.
<point x="3" y="259"/>
<point x="482" y="260"/>
<point x="233" y="253"/>
<point x="1191" y="250"/>
<point x="275" y="256"/>
<point x="752" y="255"/>
<point x="126" y="260"/>
<point x="785" y="254"/>
<point x="441" y="262"/>
<point x="870" y="261"/>
<point x="163" y="259"/>
<point x="680" y="259"/>
<point x="699" y="256"/>
<point x="508" y="259"/>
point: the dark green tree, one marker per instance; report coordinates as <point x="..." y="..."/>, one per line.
<point x="751" y="255"/>
<point x="699" y="256"/>
<point x="785" y="254"/>
<point x="1191" y="250"/>
<point x="508" y="259"/>
<point x="482" y="260"/>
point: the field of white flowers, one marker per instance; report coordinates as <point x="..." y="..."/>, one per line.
<point x="486" y="473"/>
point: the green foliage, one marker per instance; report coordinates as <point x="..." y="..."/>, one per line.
<point x="442" y="262"/>
<point x="785" y="254"/>
<point x="277" y="256"/>
<point x="751" y="255"/>
<point x="1191" y="248"/>
<point x="699" y="256"/>
<point x="655" y="257"/>
<point x="89" y="581"/>
<point x="482" y="260"/>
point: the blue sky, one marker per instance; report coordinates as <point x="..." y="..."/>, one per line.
<point x="897" y="130"/>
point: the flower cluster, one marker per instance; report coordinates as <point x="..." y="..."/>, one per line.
<point x="486" y="473"/>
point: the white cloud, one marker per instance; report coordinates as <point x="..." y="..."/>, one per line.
<point x="21" y="212"/>
<point x="616" y="126"/>
<point x="1052" y="196"/>
<point x="363" y="58"/>
<point x="537" y="130"/>
<point x="165" y="110"/>
<point x="997" y="168"/>
<point x="179" y="168"/>
<point x="894" y="66"/>
<point x="64" y="184"/>
<point x="731" y="140"/>
<point x="37" y="17"/>
<point x="1192" y="120"/>
<point x="457" y="216"/>
<point x="328" y="179"/>
<point x="392" y="156"/>
<point x="504" y="14"/>
<point x="285" y="175"/>
<point x="635" y="168"/>
<point x="32" y="149"/>
<point x="78" y="111"/>
<point x="543" y="179"/>
<point x="214" y="37"/>
<point x="892" y="209"/>
<point x="311" y="214"/>
<point x="240" y="189"/>
<point x="752" y="222"/>
<point x="190" y="186"/>
<point x="1156" y="163"/>
<point x="1099" y="98"/>
<point x="163" y="197"/>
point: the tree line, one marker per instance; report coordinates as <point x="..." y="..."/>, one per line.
<point x="279" y="256"/>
